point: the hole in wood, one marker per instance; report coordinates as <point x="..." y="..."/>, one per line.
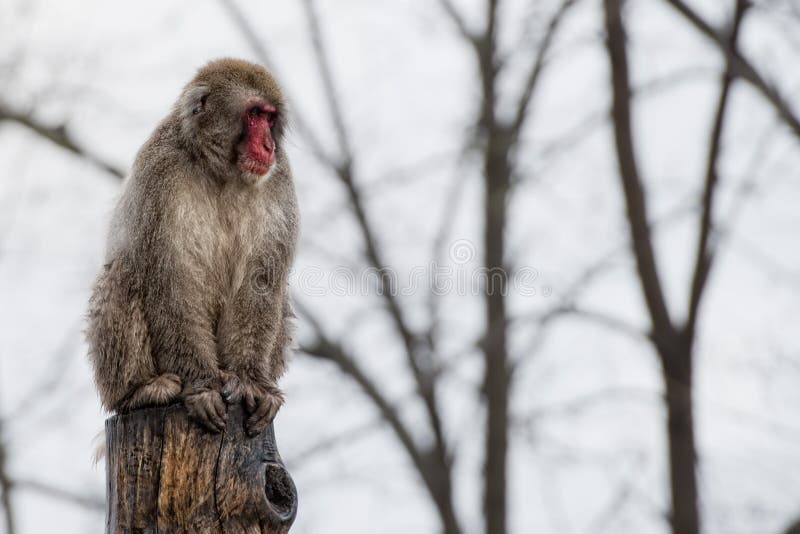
<point x="280" y="491"/>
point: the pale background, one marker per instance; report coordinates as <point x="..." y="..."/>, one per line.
<point x="587" y="445"/>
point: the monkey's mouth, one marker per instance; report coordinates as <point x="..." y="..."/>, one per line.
<point x="258" y="159"/>
<point x="256" y="167"/>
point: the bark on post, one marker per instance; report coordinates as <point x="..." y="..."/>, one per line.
<point x="167" y="474"/>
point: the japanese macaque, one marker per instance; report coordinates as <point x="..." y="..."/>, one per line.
<point x="192" y="302"/>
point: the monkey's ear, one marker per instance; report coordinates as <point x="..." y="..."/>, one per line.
<point x="194" y="99"/>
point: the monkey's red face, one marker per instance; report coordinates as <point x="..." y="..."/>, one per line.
<point x="257" y="151"/>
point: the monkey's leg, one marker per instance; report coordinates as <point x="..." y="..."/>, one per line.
<point x="249" y="330"/>
<point x="119" y="341"/>
<point x="263" y="408"/>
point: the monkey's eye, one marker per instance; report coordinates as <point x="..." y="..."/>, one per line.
<point x="270" y="114"/>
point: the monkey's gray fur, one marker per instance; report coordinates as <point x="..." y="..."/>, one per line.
<point x="192" y="302"/>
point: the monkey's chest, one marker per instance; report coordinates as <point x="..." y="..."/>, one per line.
<point x="225" y="253"/>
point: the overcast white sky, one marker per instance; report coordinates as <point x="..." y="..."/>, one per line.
<point x="111" y="71"/>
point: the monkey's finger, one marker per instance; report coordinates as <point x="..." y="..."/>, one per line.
<point x="220" y="409"/>
<point x="261" y="412"/>
<point x="263" y="415"/>
<point x="273" y="410"/>
<point x="201" y="409"/>
<point x="213" y="407"/>
<point x="263" y="407"/>
<point x="201" y="415"/>
<point x="255" y="428"/>
<point x="250" y="402"/>
<point x="232" y="390"/>
<point x="213" y="420"/>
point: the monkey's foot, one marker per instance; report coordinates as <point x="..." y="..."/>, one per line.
<point x="207" y="408"/>
<point x="159" y="391"/>
<point x="261" y="402"/>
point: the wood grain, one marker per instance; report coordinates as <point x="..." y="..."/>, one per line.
<point x="167" y="474"/>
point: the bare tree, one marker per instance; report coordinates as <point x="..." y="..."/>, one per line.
<point x="496" y="141"/>
<point x="5" y="485"/>
<point x="673" y="340"/>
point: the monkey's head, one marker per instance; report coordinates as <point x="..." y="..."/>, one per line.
<point x="232" y="118"/>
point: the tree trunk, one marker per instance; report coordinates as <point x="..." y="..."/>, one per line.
<point x="677" y="370"/>
<point x="167" y="474"/>
<point x="497" y="374"/>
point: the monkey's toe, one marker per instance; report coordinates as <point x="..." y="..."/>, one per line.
<point x="159" y="391"/>
<point x="208" y="409"/>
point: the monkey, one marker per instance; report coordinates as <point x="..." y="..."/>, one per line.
<point x="192" y="301"/>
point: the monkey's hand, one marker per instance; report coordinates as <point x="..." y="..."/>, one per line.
<point x="159" y="391"/>
<point x="261" y="401"/>
<point x="207" y="408"/>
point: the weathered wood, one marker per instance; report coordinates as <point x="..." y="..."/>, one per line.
<point x="167" y="474"/>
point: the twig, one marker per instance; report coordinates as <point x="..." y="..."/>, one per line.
<point x="740" y="66"/>
<point x="458" y="20"/>
<point x="61" y="137"/>
<point x="326" y="349"/>
<point x="424" y="378"/>
<point x="297" y="119"/>
<point x="329" y="87"/>
<point x="5" y="484"/>
<point x="538" y="65"/>
<point x="705" y="247"/>
<point x="85" y="501"/>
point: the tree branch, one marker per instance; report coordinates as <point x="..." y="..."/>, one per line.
<point x="426" y="462"/>
<point x="538" y="66"/>
<point x="424" y="377"/>
<point x="488" y="67"/>
<point x="59" y="136"/>
<point x="608" y="321"/>
<point x="706" y="249"/>
<point x="458" y="20"/>
<point x="740" y="66"/>
<point x="297" y="120"/>
<point x="325" y="348"/>
<point x="343" y="169"/>
<point x="332" y="96"/>
<point x="635" y="202"/>
<point x="68" y="496"/>
<point x="5" y="485"/>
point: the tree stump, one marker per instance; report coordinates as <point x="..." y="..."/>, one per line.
<point x="165" y="473"/>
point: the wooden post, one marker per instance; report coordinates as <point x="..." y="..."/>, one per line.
<point x="165" y="473"/>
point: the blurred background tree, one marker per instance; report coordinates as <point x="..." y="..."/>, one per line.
<point x="547" y="278"/>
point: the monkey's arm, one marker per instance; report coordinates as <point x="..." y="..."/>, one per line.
<point x="119" y="341"/>
<point x="180" y="318"/>
<point x="253" y="334"/>
<point x="283" y="344"/>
